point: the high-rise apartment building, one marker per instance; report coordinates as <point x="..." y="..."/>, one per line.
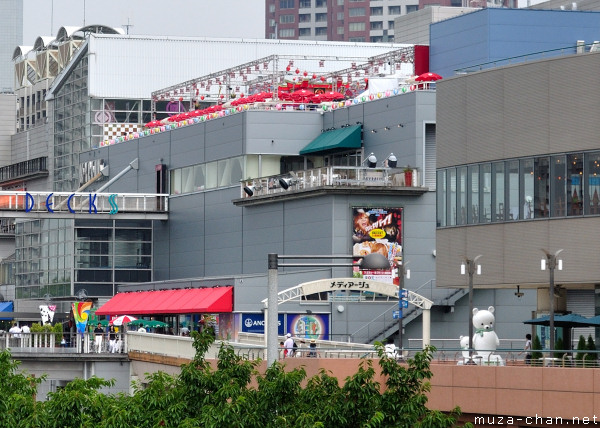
<point x="339" y="20"/>
<point x="11" y="35"/>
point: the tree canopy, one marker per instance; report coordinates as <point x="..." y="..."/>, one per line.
<point x="232" y="394"/>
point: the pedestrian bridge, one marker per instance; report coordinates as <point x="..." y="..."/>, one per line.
<point x="34" y="204"/>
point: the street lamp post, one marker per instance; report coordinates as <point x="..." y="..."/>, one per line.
<point x="470" y="267"/>
<point x="552" y="264"/>
<point x="402" y="272"/>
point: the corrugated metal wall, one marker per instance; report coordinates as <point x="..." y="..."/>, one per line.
<point x="134" y="66"/>
<point x="538" y="108"/>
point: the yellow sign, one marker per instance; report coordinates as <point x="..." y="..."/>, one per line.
<point x="377" y="233"/>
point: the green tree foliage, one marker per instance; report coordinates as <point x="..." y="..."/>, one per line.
<point x="559" y="346"/>
<point x="591" y="348"/>
<point x="581" y="348"/>
<point x="233" y="394"/>
<point x="536" y="346"/>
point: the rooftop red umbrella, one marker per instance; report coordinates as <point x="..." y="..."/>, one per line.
<point x="302" y="93"/>
<point x="153" y="123"/>
<point x="428" y="77"/>
<point x="333" y="96"/>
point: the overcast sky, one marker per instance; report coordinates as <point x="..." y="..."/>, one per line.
<point x="210" y="18"/>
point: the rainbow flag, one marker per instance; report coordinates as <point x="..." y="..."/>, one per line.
<point x="81" y="313"/>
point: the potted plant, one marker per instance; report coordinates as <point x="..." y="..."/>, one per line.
<point x="408" y="176"/>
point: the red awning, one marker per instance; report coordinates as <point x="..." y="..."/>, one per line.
<point x="179" y="301"/>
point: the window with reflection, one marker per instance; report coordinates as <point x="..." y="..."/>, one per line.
<point x="461" y="191"/>
<point x="441" y="198"/>
<point x="541" y="197"/>
<point x="498" y="189"/>
<point x="473" y="189"/>
<point x="451" y="197"/>
<point x="574" y="175"/>
<point x="592" y="179"/>
<point x="558" y="186"/>
<point x="512" y="190"/>
<point x="527" y="188"/>
<point x="485" y="179"/>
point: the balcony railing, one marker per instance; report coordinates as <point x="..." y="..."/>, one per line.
<point x="21" y="170"/>
<point x="331" y="176"/>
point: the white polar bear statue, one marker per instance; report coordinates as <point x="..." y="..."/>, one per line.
<point x="464" y="345"/>
<point x="485" y="340"/>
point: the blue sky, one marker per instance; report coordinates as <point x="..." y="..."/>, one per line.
<point x="206" y="18"/>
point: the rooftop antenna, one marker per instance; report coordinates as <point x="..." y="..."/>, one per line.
<point x="84" y="13"/>
<point x="127" y="26"/>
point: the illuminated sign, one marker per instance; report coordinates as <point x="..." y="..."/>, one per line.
<point x="30" y="203"/>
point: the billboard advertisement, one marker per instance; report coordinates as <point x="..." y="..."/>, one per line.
<point x="309" y="326"/>
<point x="255" y="323"/>
<point x="377" y="230"/>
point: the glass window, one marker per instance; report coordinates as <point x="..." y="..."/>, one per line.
<point x="461" y="182"/>
<point x="592" y="178"/>
<point x="412" y="8"/>
<point x="485" y="179"/>
<point x="527" y="188"/>
<point x="512" y="194"/>
<point x="473" y="194"/>
<point x="320" y="17"/>
<point x="377" y="25"/>
<point x="451" y="197"/>
<point x="321" y="3"/>
<point x="199" y="177"/>
<point x="287" y="19"/>
<point x="304" y="17"/>
<point x="356" y="26"/>
<point x="541" y="200"/>
<point x="390" y="25"/>
<point x="304" y="32"/>
<point x="176" y="182"/>
<point x="340" y="2"/>
<point x="321" y="31"/>
<point x="376" y="11"/>
<point x="287" y="32"/>
<point x="340" y="16"/>
<point x="441" y="198"/>
<point x="304" y="4"/>
<point x="286" y="4"/>
<point x="558" y="186"/>
<point x="357" y="11"/>
<point x="498" y="212"/>
<point x="187" y="179"/>
<point x="574" y="175"/>
<point x="211" y="175"/>
<point x="394" y="10"/>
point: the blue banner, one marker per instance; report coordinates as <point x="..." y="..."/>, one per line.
<point x="255" y="323"/>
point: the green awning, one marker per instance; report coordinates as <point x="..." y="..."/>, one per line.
<point x="338" y="139"/>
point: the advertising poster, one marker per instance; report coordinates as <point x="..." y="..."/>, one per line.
<point x="309" y="326"/>
<point x="255" y="323"/>
<point x="81" y="312"/>
<point x="377" y="230"/>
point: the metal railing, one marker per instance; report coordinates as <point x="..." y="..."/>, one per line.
<point x="23" y="169"/>
<point x="331" y="176"/>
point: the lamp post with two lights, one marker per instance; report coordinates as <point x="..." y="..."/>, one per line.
<point x="470" y="267"/>
<point x="552" y="263"/>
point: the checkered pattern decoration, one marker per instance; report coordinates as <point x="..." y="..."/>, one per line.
<point x="114" y="130"/>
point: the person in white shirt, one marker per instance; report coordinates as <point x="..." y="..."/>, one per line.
<point x="390" y="349"/>
<point x="288" y="345"/>
<point x="15" y="331"/>
<point x="26" y="333"/>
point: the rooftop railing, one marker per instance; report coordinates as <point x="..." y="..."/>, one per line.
<point x="331" y="176"/>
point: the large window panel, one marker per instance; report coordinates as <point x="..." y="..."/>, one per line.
<point x="498" y="189"/>
<point x="441" y="198"/>
<point x="592" y="179"/>
<point x="461" y="181"/>
<point x="558" y="172"/>
<point x="527" y="188"/>
<point x="451" y="197"/>
<point x="473" y="203"/>
<point x="485" y="181"/>
<point x="541" y="198"/>
<point x="575" y="190"/>
<point x="512" y="190"/>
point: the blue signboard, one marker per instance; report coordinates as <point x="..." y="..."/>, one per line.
<point x="255" y="323"/>
<point x="397" y="314"/>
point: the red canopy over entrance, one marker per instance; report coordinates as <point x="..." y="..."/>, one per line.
<point x="178" y="301"/>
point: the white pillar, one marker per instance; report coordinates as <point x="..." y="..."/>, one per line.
<point x="426" y="327"/>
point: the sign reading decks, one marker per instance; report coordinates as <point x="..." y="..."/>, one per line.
<point x="349" y="284"/>
<point x="81" y="203"/>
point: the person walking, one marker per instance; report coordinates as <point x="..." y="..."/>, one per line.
<point x="527" y="349"/>
<point x="112" y="340"/>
